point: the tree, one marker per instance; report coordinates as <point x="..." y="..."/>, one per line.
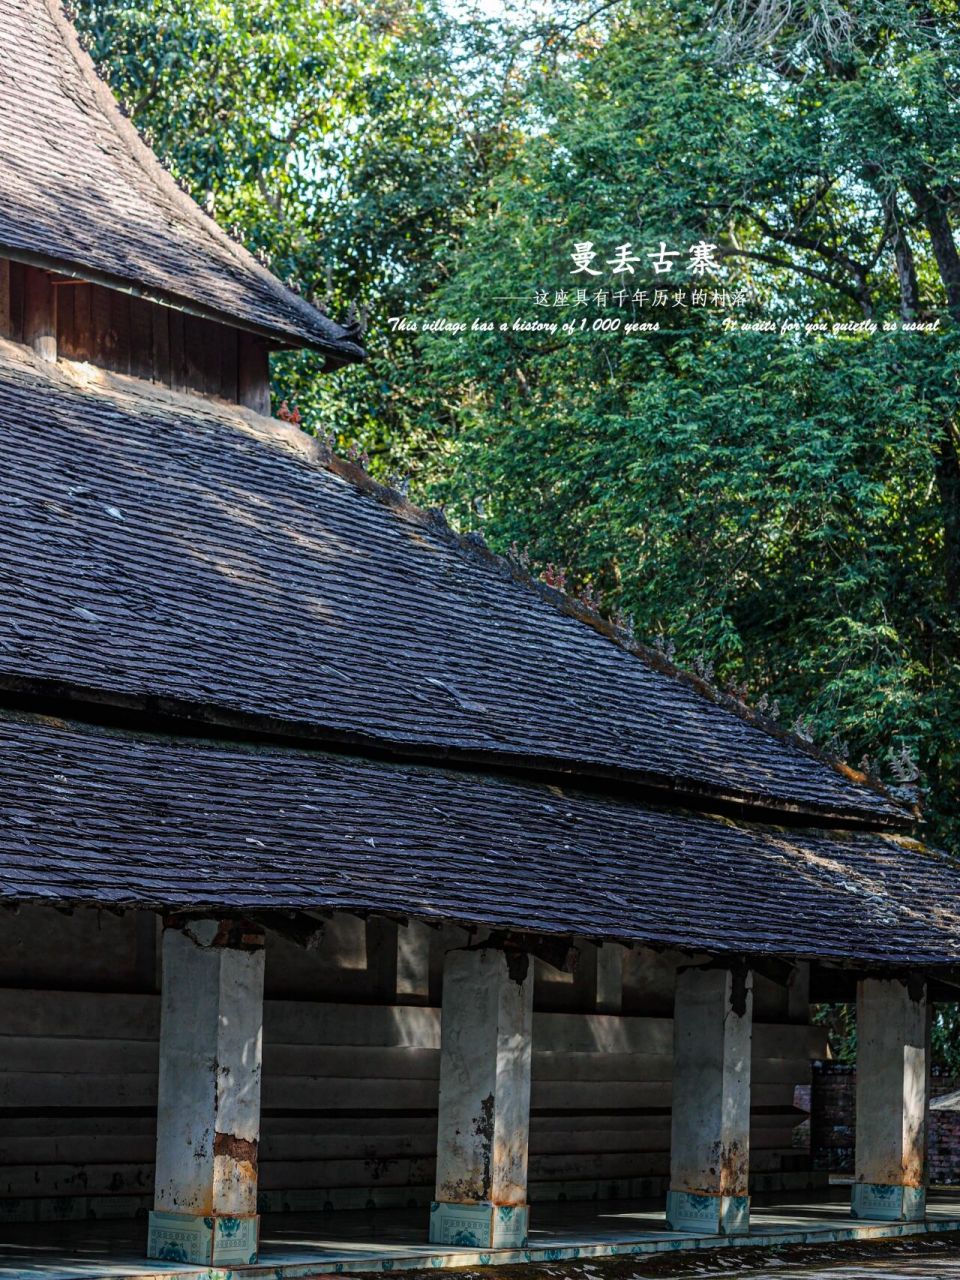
<point x="779" y="508"/>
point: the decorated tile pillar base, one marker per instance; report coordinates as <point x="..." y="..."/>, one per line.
<point x="479" y="1226"/>
<point x="716" y="1215"/>
<point x="884" y="1203"/>
<point x="211" y="1239"/>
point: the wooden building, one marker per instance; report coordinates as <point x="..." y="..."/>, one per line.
<point x="343" y="865"/>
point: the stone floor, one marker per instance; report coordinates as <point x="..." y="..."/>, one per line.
<point x="293" y="1246"/>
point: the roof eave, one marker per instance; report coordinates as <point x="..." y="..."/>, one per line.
<point x="166" y="714"/>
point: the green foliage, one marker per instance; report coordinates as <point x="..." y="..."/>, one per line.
<point x="840" y="1021"/>
<point x="332" y="139"/>
<point x="841" y="1026"/>
<point x="786" y="509"/>
<point x="945" y="1038"/>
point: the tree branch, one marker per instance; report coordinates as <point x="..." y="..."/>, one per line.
<point x="839" y="285"/>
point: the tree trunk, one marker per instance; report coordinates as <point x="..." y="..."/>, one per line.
<point x="936" y="220"/>
<point x="903" y="256"/>
<point x="947" y="466"/>
<point x="947" y="449"/>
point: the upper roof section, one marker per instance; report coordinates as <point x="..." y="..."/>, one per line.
<point x="163" y="552"/>
<point x="80" y="193"/>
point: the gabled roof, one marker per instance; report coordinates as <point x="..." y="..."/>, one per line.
<point x="119" y="819"/>
<point x="161" y="552"/>
<point x="81" y="194"/>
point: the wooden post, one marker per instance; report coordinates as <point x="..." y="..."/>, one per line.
<point x="40" y="313"/>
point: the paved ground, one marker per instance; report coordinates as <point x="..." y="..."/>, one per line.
<point x="574" y="1241"/>
<point x="921" y="1258"/>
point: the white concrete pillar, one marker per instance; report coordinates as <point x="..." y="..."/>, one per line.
<point x="892" y="1100"/>
<point x="710" y="1119"/>
<point x="483" y="1126"/>
<point x="208" y="1108"/>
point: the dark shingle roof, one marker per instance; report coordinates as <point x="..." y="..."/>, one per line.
<point x="80" y="192"/>
<point x="95" y="817"/>
<point x="167" y="551"/>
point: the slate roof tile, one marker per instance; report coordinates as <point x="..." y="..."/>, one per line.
<point x="92" y="816"/>
<point x="79" y="191"/>
<point x="191" y="555"/>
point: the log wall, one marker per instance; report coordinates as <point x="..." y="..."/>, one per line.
<point x="350" y="1067"/>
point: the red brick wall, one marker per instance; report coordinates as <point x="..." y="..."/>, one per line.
<point x="833" y="1105"/>
<point x="833" y="1117"/>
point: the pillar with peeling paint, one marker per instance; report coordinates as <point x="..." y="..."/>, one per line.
<point x="208" y="1108"/>
<point x="484" y="1114"/>
<point x="710" y="1124"/>
<point x="893" y="1033"/>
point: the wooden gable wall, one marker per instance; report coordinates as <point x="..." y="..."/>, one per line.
<point x="71" y="320"/>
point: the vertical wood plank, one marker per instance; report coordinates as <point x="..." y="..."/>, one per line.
<point x="102" y="344"/>
<point x="208" y="350"/>
<point x="16" y="301"/>
<point x="141" y="338"/>
<point x="66" y="328"/>
<point x="253" y="374"/>
<point x="381" y="939"/>
<point x="83" y="322"/>
<point x="161" y="344"/>
<point x="203" y="354"/>
<point x="212" y="351"/>
<point x="194" y="353"/>
<point x="229" y="353"/>
<point x="120" y="328"/>
<point x="40" y="313"/>
<point x="413" y="962"/>
<point x="177" y="360"/>
<point x="6" y="317"/>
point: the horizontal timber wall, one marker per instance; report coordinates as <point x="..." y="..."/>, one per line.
<point x="349" y="1099"/>
<point x="351" y="1049"/>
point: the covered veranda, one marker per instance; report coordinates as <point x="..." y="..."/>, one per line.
<point x="875" y="915"/>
